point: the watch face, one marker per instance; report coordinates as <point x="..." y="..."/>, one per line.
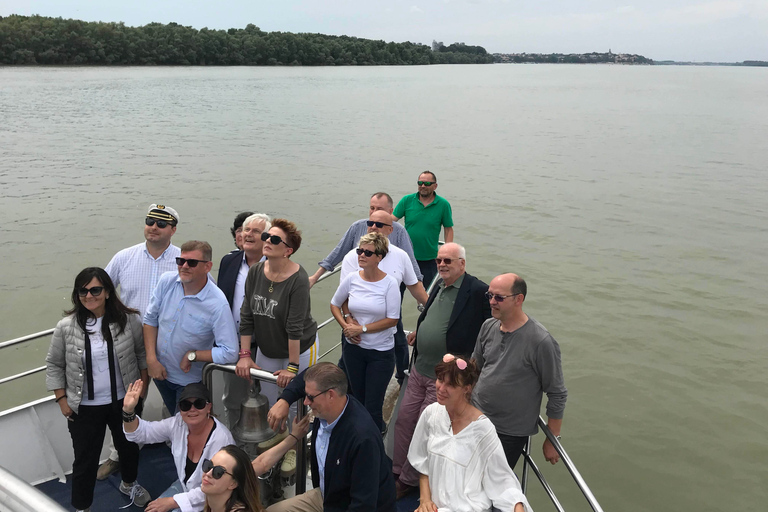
<point x="191" y="356"/>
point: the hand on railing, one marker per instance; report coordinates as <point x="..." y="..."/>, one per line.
<point x="278" y="415"/>
<point x="550" y="453"/>
<point x="300" y="428"/>
<point x="243" y="367"/>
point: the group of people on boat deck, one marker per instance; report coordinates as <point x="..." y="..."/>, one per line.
<point x="475" y="379"/>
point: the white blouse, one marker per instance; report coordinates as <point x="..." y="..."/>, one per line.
<point x="468" y="472"/>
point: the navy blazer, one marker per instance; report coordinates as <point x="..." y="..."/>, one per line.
<point x="358" y="473"/>
<point x="228" y="270"/>
<point x="470" y="310"/>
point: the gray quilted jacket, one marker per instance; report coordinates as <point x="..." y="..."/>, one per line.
<point x="65" y="359"/>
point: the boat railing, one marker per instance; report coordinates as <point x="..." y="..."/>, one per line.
<point x="19" y="496"/>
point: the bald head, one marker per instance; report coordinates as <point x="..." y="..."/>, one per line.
<point x="385" y="219"/>
<point x="508" y="293"/>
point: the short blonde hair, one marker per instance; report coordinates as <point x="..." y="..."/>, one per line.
<point x="379" y="242"/>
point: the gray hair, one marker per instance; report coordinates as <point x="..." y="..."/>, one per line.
<point x="460" y="248"/>
<point x="259" y="216"/>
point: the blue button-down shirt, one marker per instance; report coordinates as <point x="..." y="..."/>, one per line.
<point x="321" y="445"/>
<point x="190" y="322"/>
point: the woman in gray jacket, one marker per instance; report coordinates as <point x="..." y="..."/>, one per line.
<point x="96" y="352"/>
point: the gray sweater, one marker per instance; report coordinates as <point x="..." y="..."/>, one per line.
<point x="516" y="368"/>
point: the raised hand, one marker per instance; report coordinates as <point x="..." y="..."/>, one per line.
<point x="132" y="395"/>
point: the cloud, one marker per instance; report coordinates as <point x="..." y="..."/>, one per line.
<point x="415" y="8"/>
<point x="703" y="13"/>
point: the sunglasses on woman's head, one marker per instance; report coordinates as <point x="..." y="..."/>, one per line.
<point x="199" y="404"/>
<point x="218" y="471"/>
<point x="95" y="291"/>
<point x="162" y="224"/>
<point x="273" y="239"/>
<point x="367" y="253"/>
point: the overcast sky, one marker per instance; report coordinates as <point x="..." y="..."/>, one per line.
<point x="697" y="30"/>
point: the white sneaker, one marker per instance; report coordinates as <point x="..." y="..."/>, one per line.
<point x="139" y="495"/>
<point x="288" y="467"/>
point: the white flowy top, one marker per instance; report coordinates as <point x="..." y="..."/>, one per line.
<point x="468" y="472"/>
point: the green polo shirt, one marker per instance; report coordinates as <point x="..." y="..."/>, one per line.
<point x="432" y="330"/>
<point x="423" y="223"/>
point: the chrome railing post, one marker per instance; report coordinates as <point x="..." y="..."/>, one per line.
<point x="524" y="479"/>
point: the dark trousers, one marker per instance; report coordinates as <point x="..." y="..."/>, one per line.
<point x="87" y="431"/>
<point x="170" y="393"/>
<point x="369" y="372"/>
<point x="429" y="270"/>
<point x="513" y="447"/>
<point x="401" y="344"/>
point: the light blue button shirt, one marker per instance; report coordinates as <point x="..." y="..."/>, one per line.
<point x="321" y="445"/>
<point x="191" y="322"/>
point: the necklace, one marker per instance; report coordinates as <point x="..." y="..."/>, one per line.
<point x="272" y="283"/>
<point x="458" y="416"/>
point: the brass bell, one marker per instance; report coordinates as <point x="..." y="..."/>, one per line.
<point x="253" y="426"/>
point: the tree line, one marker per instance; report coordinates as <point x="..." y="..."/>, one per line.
<point x="43" y="40"/>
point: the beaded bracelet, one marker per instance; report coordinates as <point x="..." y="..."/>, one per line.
<point x="245" y="352"/>
<point x="292" y="369"/>
<point x="129" y="417"/>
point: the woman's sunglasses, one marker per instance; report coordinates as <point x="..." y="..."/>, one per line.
<point x="218" y="471"/>
<point x="162" y="224"/>
<point x="273" y="239"/>
<point x="95" y="291"/>
<point x="367" y="253"/>
<point x="199" y="404"/>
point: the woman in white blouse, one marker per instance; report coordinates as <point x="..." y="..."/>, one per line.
<point x="457" y="451"/>
<point x="373" y="299"/>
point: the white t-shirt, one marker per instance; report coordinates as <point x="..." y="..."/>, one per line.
<point x="369" y="302"/>
<point x="396" y="264"/>
<point x="102" y="389"/>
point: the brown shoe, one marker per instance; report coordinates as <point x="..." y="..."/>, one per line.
<point x="106" y="469"/>
<point x="403" y="490"/>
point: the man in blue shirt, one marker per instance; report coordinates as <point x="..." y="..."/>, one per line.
<point x="350" y="470"/>
<point x="188" y="322"/>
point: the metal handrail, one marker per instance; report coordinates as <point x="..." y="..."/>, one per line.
<point x="28" y="337"/>
<point x="261" y="375"/>
<point x="19" y="496"/>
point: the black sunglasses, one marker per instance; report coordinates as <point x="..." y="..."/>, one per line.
<point x="94" y="290"/>
<point x="218" y="471"/>
<point x="192" y="263"/>
<point x="273" y="239"/>
<point x="149" y="221"/>
<point x="378" y="224"/>
<point x="426" y="183"/>
<point x="367" y="253"/>
<point x="311" y="398"/>
<point x="199" y="404"/>
<point x="497" y="297"/>
<point x="447" y="261"/>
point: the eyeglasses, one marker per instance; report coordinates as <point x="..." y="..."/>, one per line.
<point x="95" y="291"/>
<point x="273" y="239"/>
<point x="378" y="224"/>
<point x="447" y="261"/>
<point x="199" y="404"/>
<point x="497" y="297"/>
<point x="218" y="471"/>
<point x="462" y="364"/>
<point x="311" y="398"/>
<point x="192" y="263"/>
<point x="426" y="183"/>
<point x="367" y="253"/>
<point x="149" y="221"/>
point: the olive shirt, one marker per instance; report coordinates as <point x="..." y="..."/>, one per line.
<point x="423" y="223"/>
<point x="273" y="318"/>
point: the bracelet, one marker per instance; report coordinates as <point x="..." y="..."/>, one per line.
<point x="292" y="369"/>
<point x="129" y="417"/>
<point x="296" y="438"/>
<point x="62" y="396"/>
<point x="247" y="355"/>
<point x="245" y="352"/>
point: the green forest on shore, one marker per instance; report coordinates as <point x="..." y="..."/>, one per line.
<point x="30" y="40"/>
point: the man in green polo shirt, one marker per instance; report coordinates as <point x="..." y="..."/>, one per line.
<point x="424" y="213"/>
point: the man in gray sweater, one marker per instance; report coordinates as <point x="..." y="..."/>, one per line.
<point x="519" y="361"/>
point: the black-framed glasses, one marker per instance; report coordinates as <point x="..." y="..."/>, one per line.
<point x="447" y="261"/>
<point x="199" y="404"/>
<point x="191" y="262"/>
<point x="218" y="471"/>
<point x="367" y="253"/>
<point x="95" y="291"/>
<point x="426" y="183"/>
<point x="311" y="398"/>
<point x="497" y="297"/>
<point x="379" y="225"/>
<point x="162" y="224"/>
<point x="273" y="239"/>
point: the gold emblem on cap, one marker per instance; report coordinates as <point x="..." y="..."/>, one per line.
<point x="161" y="206"/>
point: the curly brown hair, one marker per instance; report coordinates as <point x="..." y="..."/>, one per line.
<point x="292" y="233"/>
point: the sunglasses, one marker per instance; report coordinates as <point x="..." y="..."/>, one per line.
<point x="447" y="261"/>
<point x="218" y="471"/>
<point x="273" y="239"/>
<point x="367" y="253"/>
<point x="95" y="291"/>
<point x="462" y="364"/>
<point x="190" y="262"/>
<point x="371" y="223"/>
<point x="149" y="221"/>
<point x="311" y="398"/>
<point x="199" y="404"/>
<point x="497" y="297"/>
<point x="426" y="183"/>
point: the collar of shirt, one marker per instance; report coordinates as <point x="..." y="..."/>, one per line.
<point x="456" y="284"/>
<point x="322" y="441"/>
<point x="162" y="256"/>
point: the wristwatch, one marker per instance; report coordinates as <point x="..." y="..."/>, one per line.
<point x="365" y="328"/>
<point x="347" y="315"/>
<point x="192" y="356"/>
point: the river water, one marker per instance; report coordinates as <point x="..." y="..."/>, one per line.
<point x="632" y="199"/>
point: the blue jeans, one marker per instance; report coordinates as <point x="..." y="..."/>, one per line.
<point x="428" y="270"/>
<point x="170" y="393"/>
<point x="369" y="372"/>
<point x="174" y="489"/>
